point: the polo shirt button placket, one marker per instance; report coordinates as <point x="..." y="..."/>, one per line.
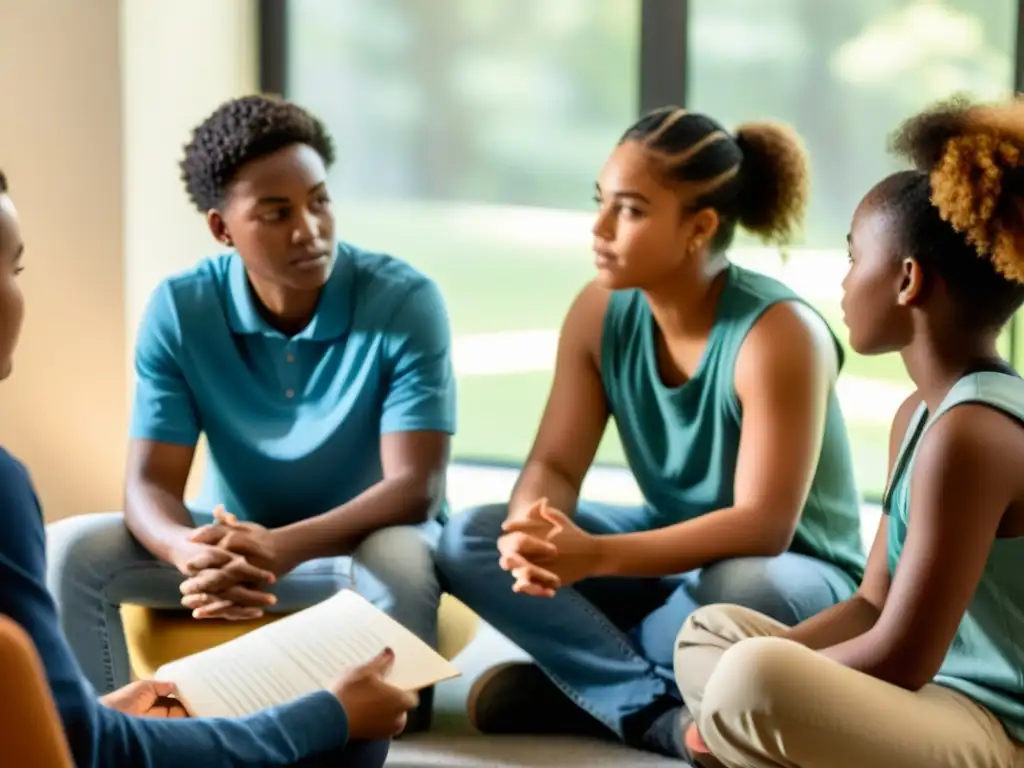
<point x="289" y="372"/>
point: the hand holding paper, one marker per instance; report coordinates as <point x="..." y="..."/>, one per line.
<point x="301" y="653"/>
<point x="375" y="709"/>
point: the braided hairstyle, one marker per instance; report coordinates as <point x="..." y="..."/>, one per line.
<point x="959" y="212"/>
<point x="758" y="178"/>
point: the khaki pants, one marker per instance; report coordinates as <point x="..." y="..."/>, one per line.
<point x="762" y="702"/>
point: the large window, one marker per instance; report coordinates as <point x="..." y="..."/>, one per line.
<point x="470" y="133"/>
<point x="844" y="74"/>
<point x="469" y="140"/>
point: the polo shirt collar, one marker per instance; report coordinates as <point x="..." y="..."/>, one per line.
<point x="333" y="311"/>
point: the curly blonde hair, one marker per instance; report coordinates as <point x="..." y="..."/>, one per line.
<point x="972" y="154"/>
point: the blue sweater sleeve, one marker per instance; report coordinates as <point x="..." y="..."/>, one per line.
<point x="282" y="736"/>
<point x="100" y="737"/>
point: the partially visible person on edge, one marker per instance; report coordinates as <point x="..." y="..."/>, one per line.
<point x="922" y="667"/>
<point x="321" y="377"/>
<point x="141" y="725"/>
<point x="721" y="383"/>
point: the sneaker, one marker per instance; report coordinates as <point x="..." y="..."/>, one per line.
<point x="518" y="698"/>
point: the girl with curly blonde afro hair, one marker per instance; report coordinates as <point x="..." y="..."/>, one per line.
<point x="922" y="667"/>
<point x="721" y="383"/>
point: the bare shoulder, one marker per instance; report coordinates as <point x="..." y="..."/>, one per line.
<point x="789" y="338"/>
<point x="901" y="421"/>
<point x="978" y="436"/>
<point x="584" y="322"/>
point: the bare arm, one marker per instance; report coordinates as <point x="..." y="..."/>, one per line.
<point x="575" y="416"/>
<point x="857" y="615"/>
<point x="156" y="515"/>
<point x="783" y="374"/>
<point x="412" y="489"/>
<point x="154" y="507"/>
<point x="165" y="429"/>
<point x="969" y="461"/>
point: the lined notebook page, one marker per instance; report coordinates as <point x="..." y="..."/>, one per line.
<point x="298" y="654"/>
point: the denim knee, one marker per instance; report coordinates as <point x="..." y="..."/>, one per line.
<point x="788" y="588"/>
<point x="395" y="571"/>
<point x="87" y="551"/>
<point x="401" y="561"/>
<point x="469" y="536"/>
<point x="398" y="555"/>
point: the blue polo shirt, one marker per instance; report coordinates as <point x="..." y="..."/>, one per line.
<point x="293" y="424"/>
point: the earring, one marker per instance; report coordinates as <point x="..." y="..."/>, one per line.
<point x="227" y="241"/>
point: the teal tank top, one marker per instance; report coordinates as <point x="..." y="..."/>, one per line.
<point x="682" y="443"/>
<point x="985" y="662"/>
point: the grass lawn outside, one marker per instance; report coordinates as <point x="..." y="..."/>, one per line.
<point x="509" y="274"/>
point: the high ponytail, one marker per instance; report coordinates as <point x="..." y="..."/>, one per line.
<point x="959" y="212"/>
<point x="774" y="181"/>
<point x="757" y="179"/>
<point x="973" y="155"/>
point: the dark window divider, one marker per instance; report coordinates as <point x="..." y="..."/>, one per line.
<point x="663" y="77"/>
<point x="272" y="21"/>
<point x="663" y="49"/>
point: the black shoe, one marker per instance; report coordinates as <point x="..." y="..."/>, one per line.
<point x="518" y="698"/>
<point x="421" y="718"/>
<point x="666" y="735"/>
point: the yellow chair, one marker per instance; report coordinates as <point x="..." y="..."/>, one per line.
<point x="31" y="733"/>
<point x="156" y="637"/>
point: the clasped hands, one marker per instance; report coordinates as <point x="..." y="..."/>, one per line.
<point x="229" y="566"/>
<point x="545" y="550"/>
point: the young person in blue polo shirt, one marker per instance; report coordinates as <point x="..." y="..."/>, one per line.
<point x="320" y="375"/>
<point x="141" y="725"/>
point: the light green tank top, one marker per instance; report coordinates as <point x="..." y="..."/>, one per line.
<point x="682" y="443"/>
<point x="986" y="659"/>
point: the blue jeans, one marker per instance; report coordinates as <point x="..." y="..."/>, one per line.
<point x="608" y="643"/>
<point x="94" y="565"/>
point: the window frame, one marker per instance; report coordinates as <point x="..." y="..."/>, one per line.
<point x="663" y="80"/>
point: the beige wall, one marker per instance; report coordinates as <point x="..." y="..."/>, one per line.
<point x="63" y="410"/>
<point x="182" y="59"/>
<point x="95" y="109"/>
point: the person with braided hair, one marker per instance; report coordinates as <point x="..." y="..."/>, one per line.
<point x="721" y="382"/>
<point x="922" y="667"/>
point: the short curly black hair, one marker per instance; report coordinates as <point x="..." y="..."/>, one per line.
<point x="3" y="183"/>
<point x="242" y="130"/>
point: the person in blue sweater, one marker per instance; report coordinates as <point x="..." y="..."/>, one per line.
<point x="141" y="725"/>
